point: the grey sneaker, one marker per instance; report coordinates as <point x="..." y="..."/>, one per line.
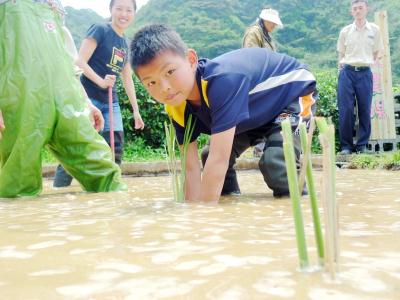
<point x="362" y="150"/>
<point x="345" y="152"/>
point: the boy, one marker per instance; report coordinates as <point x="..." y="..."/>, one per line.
<point x="245" y="90"/>
<point x="42" y="104"/>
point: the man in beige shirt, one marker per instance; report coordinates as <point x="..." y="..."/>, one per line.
<point x="358" y="46"/>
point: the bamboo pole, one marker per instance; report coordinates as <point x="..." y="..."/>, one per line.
<point x="382" y="108"/>
<point x="291" y="169"/>
<point x="306" y="149"/>
<point x="327" y="139"/>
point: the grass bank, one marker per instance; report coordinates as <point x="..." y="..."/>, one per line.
<point x="388" y="161"/>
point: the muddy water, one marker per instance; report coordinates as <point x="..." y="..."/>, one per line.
<point x="140" y="245"/>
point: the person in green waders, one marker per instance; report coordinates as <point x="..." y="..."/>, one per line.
<point x="42" y="104"/>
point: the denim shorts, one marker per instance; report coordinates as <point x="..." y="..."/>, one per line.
<point x="103" y="107"/>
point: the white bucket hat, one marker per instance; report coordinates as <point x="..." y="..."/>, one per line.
<point x="271" y="15"/>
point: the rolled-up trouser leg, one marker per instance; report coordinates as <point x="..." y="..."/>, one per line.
<point x="272" y="163"/>
<point x="118" y="144"/>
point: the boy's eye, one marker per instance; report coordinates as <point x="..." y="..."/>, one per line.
<point x="170" y="72"/>
<point x="151" y="83"/>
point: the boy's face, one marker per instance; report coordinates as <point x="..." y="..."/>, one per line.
<point x="359" y="10"/>
<point x="170" y="78"/>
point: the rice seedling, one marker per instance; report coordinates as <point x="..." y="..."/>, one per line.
<point x="295" y="195"/>
<point x="178" y="174"/>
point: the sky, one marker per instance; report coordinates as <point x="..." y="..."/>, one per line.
<point x="99" y="6"/>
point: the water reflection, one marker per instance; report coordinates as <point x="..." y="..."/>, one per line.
<point x="141" y="245"/>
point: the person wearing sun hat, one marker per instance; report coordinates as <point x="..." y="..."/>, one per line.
<point x="269" y="147"/>
<point x="259" y="33"/>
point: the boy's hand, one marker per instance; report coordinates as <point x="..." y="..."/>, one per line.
<point x="108" y="81"/>
<point x="97" y="117"/>
<point x="216" y="165"/>
<point x="2" y="126"/>
<point x="139" y="124"/>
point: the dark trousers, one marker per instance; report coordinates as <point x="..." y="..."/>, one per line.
<point x="63" y="179"/>
<point x="354" y="86"/>
<point x="272" y="161"/>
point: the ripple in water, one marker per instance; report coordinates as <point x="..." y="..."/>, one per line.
<point x="50" y="272"/>
<point x="11" y="253"/>
<point x="212" y="269"/>
<point x="328" y="294"/>
<point x="119" y="266"/>
<point x="189" y="265"/>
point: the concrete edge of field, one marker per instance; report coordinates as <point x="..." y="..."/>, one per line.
<point x="161" y="167"/>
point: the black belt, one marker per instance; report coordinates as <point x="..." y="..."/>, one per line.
<point x="357" y="69"/>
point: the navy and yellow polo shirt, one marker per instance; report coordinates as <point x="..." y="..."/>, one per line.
<point x="246" y="88"/>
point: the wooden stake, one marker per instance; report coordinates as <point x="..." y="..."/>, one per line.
<point x="327" y="139"/>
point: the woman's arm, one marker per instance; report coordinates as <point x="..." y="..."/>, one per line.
<point x="88" y="46"/>
<point x="127" y="80"/>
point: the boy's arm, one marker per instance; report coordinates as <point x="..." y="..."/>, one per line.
<point x="127" y="80"/>
<point x="216" y="165"/>
<point x="85" y="53"/>
<point x="193" y="173"/>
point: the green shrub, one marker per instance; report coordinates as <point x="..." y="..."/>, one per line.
<point x="139" y="151"/>
<point x="327" y="104"/>
<point x="153" y="115"/>
<point x="365" y="161"/>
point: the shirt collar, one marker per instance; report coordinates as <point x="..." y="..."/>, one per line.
<point x="366" y="26"/>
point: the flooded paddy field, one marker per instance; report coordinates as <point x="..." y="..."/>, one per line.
<point x="139" y="244"/>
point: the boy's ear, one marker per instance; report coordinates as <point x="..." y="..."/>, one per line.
<point x="192" y="58"/>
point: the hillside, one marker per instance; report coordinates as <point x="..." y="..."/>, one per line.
<point x="213" y="27"/>
<point x="79" y="20"/>
<point x="310" y="33"/>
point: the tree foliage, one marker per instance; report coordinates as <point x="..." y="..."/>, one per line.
<point x="310" y="32"/>
<point x="78" y="22"/>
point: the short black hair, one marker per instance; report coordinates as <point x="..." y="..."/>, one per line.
<point x="153" y="39"/>
<point x="112" y="4"/>
<point x="356" y="1"/>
